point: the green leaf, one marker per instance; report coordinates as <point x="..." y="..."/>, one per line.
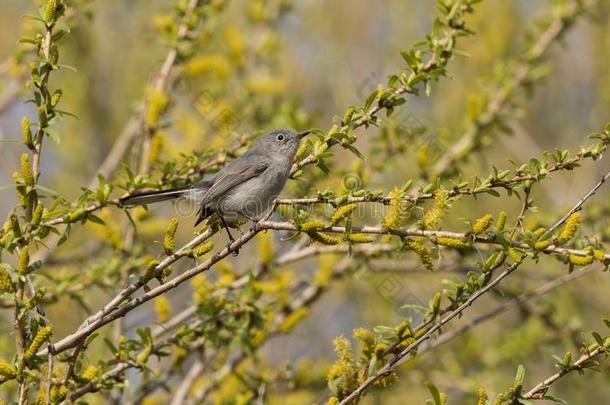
<point x="436" y="395"/>
<point x="598" y="339"/>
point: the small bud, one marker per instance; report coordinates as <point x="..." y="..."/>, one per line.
<point x="76" y="215"/>
<point x="56" y="97"/>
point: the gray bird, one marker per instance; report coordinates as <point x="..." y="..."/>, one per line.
<point x="245" y="188"/>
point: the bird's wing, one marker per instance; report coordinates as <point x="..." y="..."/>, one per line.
<point x="232" y="176"/>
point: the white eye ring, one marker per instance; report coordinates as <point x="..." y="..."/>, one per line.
<point x="280" y="137"/>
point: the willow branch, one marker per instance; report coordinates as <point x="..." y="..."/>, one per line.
<point x="400" y="357"/>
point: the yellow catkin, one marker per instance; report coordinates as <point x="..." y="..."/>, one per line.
<point x="201" y="289"/>
<point x="37" y="215"/>
<point x="163" y="308"/>
<point x="151" y="271"/>
<point x="454" y="243"/>
<point x="169" y="244"/>
<point x="26" y="170"/>
<point x="514" y="255"/>
<point x="6" y="284"/>
<point x="435" y="303"/>
<point x="42" y="117"/>
<point x="342" y="212"/>
<point x="202" y="249"/>
<point x="435" y="214"/>
<point x="26" y="133"/>
<point x="325" y="266"/>
<point x="311" y="225"/>
<point x="156" y="145"/>
<point x="291" y="320"/>
<point x="397" y="210"/>
<point x="580" y="260"/>
<point x="7" y="371"/>
<point x="332" y="401"/>
<point x="21" y="194"/>
<point x="158" y="102"/>
<point x="90" y="373"/>
<point x="366" y="338"/>
<point x="483" y="397"/>
<point x="569" y="230"/>
<point x="324" y="238"/>
<point x="359" y="238"/>
<point x="264" y="244"/>
<point x="501" y="221"/>
<point x="482" y="224"/>
<point x="50" y="13"/>
<point x="42" y="335"/>
<point x="24" y="261"/>
<point x="421" y="252"/>
<point x="58" y="394"/>
<point x="599" y="255"/>
<point x="541" y="245"/>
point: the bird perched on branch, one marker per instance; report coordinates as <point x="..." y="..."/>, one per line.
<point x="245" y="188"/>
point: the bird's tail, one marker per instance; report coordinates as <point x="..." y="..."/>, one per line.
<point x="149" y="197"/>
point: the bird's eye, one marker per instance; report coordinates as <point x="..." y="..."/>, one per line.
<point x="280" y="137"/>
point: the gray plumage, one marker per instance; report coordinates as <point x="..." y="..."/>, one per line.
<point x="244" y="188"/>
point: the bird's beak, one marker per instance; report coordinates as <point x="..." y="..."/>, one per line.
<point x="303" y="134"/>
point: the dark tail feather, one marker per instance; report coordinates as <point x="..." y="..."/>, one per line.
<point x="149" y="197"/>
